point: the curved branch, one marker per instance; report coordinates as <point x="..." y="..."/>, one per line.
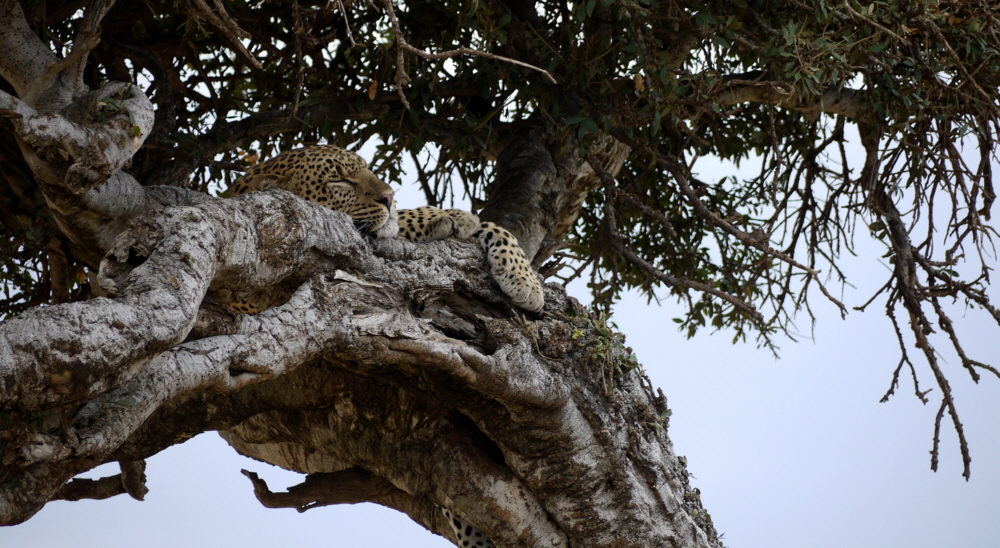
<point x="94" y="151"/>
<point x="560" y="458"/>
<point x="88" y="35"/>
<point x="178" y="253"/>
<point x="402" y="45"/>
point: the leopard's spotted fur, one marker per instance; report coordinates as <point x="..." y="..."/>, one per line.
<point x="340" y="180"/>
<point x="466" y="534"/>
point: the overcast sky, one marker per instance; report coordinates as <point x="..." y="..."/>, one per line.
<point x="789" y="453"/>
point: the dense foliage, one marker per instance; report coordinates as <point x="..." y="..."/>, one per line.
<point x="784" y="85"/>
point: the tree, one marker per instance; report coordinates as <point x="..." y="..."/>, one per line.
<point x="394" y="372"/>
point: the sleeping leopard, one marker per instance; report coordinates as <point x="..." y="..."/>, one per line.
<point x="340" y="180"/>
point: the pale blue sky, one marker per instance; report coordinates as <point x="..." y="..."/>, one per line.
<point x="788" y="453"/>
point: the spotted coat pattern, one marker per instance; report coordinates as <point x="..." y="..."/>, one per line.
<point x="466" y="534"/>
<point x="340" y="180"/>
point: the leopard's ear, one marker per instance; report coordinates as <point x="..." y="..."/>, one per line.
<point x="268" y="182"/>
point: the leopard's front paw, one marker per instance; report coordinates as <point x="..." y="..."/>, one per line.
<point x="427" y="224"/>
<point x="510" y="268"/>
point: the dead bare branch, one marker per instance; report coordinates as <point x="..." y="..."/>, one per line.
<point x="349" y="486"/>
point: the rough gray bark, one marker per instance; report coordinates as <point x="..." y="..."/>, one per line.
<point x="388" y="371"/>
<point x="579" y="439"/>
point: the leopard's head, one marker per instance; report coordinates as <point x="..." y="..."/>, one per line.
<point x="332" y="177"/>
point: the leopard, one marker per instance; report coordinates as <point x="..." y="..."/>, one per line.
<point x="340" y="180"/>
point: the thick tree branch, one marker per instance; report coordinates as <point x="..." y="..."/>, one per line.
<point x="177" y="254"/>
<point x="25" y="58"/>
<point x="94" y="151"/>
<point x="88" y="35"/>
<point x="845" y="102"/>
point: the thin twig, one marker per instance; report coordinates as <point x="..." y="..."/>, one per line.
<point x="945" y="322"/>
<point x="961" y="66"/>
<point x="757" y="241"/>
<point x="299" y="65"/>
<point x="873" y="23"/>
<point x="402" y="45"/>
<point x="468" y="51"/>
<point x="971" y="294"/>
<point x="936" y="443"/>
<point x="611" y="192"/>
<point x="347" y="24"/>
<point x="946" y="396"/>
<point x="895" y="381"/>
<point x="904" y="358"/>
